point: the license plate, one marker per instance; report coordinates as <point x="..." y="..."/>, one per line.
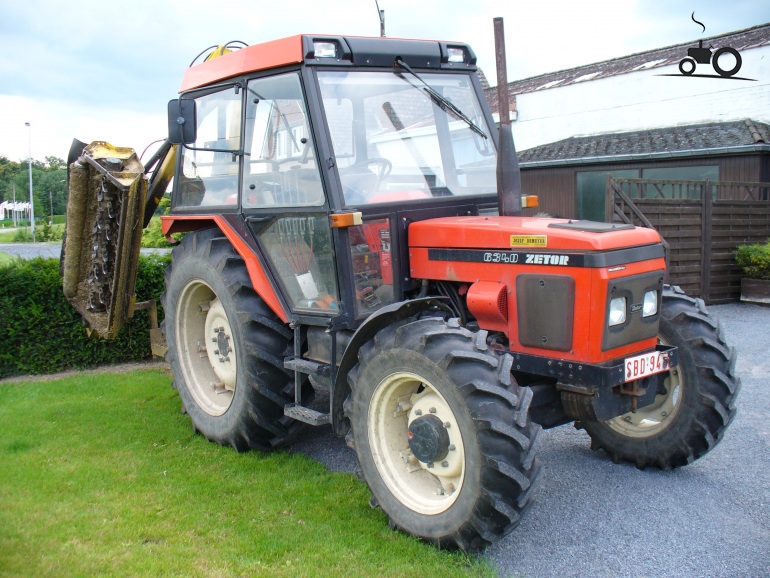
<point x="648" y="364"/>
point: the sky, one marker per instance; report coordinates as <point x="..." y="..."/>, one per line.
<point x="105" y="70"/>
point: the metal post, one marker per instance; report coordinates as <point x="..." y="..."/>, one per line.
<point x="31" y="202"/>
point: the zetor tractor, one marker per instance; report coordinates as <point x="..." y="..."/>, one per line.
<point x="346" y="262"/>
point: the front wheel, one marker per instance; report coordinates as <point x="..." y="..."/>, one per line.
<point x="442" y="433"/>
<point x="687" y="66"/>
<point x="695" y="403"/>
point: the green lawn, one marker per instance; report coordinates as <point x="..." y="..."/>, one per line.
<point x="5" y="258"/>
<point x="102" y="475"/>
<point x="56" y="231"/>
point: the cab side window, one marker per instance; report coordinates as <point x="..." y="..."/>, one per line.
<point x="209" y="173"/>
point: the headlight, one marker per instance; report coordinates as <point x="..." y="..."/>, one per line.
<point x="325" y="49"/>
<point x="455" y="55"/>
<point x="617" y="311"/>
<point x="650" y="304"/>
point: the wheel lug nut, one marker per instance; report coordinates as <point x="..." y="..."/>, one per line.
<point x="447" y="425"/>
<point x="430" y="464"/>
<point x="432" y="410"/>
<point x="418" y="412"/>
<point x="444" y="464"/>
<point x="452" y="447"/>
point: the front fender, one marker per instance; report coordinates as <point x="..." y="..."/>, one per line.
<point x="384" y="317"/>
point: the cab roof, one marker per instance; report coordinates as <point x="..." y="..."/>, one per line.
<point x="349" y="51"/>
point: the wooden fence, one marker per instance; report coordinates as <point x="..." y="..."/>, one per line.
<point x="702" y="222"/>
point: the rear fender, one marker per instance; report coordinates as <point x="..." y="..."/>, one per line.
<point x="243" y="244"/>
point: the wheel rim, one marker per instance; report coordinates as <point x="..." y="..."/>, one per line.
<point x="653" y="419"/>
<point x="425" y="487"/>
<point x="205" y="347"/>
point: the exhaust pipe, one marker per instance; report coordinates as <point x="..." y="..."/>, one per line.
<point x="508" y="172"/>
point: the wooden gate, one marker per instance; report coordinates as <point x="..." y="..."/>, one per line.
<point x="702" y="222"/>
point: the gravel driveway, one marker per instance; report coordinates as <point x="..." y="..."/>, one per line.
<point x="595" y="518"/>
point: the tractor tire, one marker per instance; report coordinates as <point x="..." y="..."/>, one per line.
<point x="691" y="413"/>
<point x="442" y="433"/>
<point x="726" y="73"/>
<point x="226" y="347"/>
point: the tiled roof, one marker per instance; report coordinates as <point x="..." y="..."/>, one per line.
<point x="659" y="141"/>
<point x="740" y="40"/>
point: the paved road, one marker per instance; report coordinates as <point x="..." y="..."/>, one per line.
<point x="32" y="250"/>
<point x="595" y="518"/>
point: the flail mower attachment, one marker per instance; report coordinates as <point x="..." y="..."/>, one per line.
<point x="100" y="255"/>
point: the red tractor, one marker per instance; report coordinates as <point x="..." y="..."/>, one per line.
<point x="349" y="259"/>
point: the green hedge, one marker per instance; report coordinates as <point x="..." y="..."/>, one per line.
<point x="755" y="260"/>
<point x="42" y="333"/>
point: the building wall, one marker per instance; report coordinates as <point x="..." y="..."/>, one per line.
<point x="643" y="100"/>
<point x="556" y="186"/>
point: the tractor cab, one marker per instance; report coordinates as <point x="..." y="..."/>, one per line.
<point x="327" y="158"/>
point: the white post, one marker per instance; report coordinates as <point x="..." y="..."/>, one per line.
<point x="31" y="202"/>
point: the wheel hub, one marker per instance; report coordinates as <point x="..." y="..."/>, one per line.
<point x="428" y="439"/>
<point x="222" y="341"/>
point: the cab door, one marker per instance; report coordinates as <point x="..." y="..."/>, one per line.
<point x="283" y="197"/>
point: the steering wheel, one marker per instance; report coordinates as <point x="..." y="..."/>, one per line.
<point x="384" y="166"/>
<point x="359" y="181"/>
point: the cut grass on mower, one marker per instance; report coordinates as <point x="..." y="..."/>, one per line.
<point x="102" y="475"/>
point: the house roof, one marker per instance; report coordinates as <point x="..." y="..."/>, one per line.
<point x="676" y="141"/>
<point x="740" y="40"/>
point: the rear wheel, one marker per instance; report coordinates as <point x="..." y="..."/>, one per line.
<point x="225" y="347"/>
<point x="736" y="61"/>
<point x="696" y="403"/>
<point x="442" y="433"/>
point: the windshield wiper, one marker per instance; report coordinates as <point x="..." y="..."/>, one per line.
<point x="440" y="100"/>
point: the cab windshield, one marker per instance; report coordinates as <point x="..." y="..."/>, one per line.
<point x="394" y="141"/>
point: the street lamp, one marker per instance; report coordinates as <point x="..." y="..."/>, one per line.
<point x="31" y="202"/>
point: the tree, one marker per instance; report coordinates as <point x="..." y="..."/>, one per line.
<point x="49" y="183"/>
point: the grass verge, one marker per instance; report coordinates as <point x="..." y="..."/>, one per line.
<point x="6" y="258"/>
<point x="102" y="475"/>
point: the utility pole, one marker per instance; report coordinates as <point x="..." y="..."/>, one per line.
<point x="31" y="202"/>
<point x="381" y="14"/>
<point x="15" y="220"/>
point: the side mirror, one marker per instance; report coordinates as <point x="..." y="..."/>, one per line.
<point x="182" y="122"/>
